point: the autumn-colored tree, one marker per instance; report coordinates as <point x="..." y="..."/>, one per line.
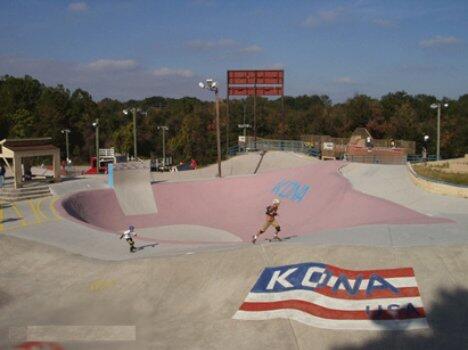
<point x="31" y="109"/>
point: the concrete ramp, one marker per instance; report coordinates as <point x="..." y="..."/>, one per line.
<point x="314" y="198"/>
<point x="132" y="185"/>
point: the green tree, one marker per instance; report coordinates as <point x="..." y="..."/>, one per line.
<point x="24" y="124"/>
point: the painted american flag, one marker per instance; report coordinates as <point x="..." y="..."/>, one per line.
<point x="326" y="296"/>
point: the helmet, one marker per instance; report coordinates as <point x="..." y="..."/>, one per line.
<point x="131" y="227"/>
<point x="276" y="201"/>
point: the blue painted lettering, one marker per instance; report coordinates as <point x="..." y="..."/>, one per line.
<point x="379" y="283"/>
<point x="291" y="190"/>
<point x="343" y="280"/>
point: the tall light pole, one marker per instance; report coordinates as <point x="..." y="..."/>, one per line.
<point x="212" y="85"/>
<point x="66" y="132"/>
<point x="438" y="106"/>
<point x="96" y="126"/>
<point x="164" y="129"/>
<point x="134" y="112"/>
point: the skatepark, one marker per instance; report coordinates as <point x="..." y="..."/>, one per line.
<point x="66" y="277"/>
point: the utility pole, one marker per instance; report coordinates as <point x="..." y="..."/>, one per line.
<point x="164" y="129"/>
<point x="135" y="151"/>
<point x="66" y="132"/>
<point x="134" y="112"/>
<point x="438" y="132"/>
<point x="438" y="106"/>
<point x="218" y="132"/>
<point x="212" y="85"/>
<point x="96" y="125"/>
<point x="228" y="117"/>
<point x="255" y="118"/>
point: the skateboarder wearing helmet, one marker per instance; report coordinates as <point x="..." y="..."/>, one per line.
<point x="128" y="234"/>
<point x="271" y="213"/>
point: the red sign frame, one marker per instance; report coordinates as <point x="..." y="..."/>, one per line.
<point x="268" y="82"/>
<point x="256" y="91"/>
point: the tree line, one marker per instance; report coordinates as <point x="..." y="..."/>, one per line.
<point x="29" y="108"/>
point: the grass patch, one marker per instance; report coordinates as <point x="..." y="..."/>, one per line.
<point x="434" y="173"/>
<point x="440" y="165"/>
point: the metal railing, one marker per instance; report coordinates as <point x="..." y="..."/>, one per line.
<point x="376" y="159"/>
<point x="416" y="158"/>
<point x="277" y="145"/>
<point x="232" y="151"/>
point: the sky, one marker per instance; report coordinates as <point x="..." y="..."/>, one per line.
<point x="135" y="49"/>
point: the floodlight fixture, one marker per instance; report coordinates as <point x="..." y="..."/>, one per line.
<point x="434" y="105"/>
<point x="209" y="84"/>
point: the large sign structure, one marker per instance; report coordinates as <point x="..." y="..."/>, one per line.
<point x="254" y="83"/>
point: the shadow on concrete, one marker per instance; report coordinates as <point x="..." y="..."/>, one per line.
<point x="10" y="220"/>
<point x="282" y="239"/>
<point x="157" y="181"/>
<point x="4" y="298"/>
<point x="448" y="320"/>
<point x="146" y="246"/>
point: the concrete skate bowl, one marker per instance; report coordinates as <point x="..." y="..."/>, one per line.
<point x="314" y="197"/>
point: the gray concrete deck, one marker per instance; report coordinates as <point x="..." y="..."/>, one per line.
<point x="59" y="273"/>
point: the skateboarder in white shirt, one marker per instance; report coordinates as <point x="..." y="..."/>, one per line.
<point x="128" y="235"/>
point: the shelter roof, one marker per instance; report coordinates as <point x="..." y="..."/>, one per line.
<point x="24" y="145"/>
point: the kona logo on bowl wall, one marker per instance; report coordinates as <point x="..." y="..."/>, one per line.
<point x="292" y="190"/>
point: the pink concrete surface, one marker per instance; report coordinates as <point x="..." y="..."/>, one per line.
<point x="237" y="204"/>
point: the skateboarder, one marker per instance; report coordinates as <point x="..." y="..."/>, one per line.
<point x="129" y="237"/>
<point x="271" y="213"/>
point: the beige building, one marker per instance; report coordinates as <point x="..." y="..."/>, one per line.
<point x="18" y="150"/>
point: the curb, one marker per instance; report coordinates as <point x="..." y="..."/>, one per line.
<point x="438" y="187"/>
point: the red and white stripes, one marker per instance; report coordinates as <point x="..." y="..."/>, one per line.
<point x="345" y="300"/>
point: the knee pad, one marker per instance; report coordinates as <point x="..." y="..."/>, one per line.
<point x="278" y="229"/>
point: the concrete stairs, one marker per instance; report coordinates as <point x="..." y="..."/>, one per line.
<point x="9" y="194"/>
